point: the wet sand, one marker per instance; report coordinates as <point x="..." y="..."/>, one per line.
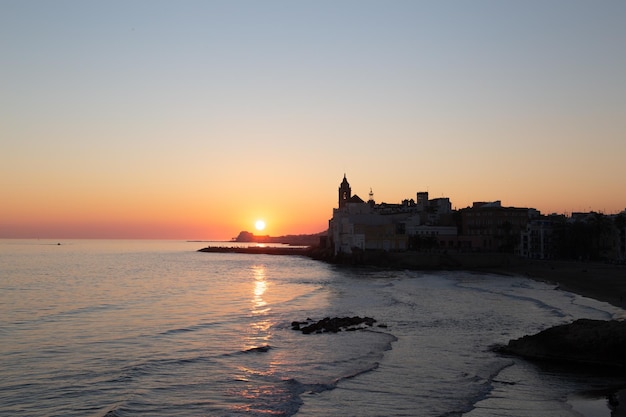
<point x="603" y="282"/>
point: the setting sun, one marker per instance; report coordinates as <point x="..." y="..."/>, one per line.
<point x="260" y="225"/>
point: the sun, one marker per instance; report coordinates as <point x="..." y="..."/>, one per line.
<point x="260" y="225"/>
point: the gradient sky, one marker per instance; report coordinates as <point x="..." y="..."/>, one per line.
<point x="193" y="119"/>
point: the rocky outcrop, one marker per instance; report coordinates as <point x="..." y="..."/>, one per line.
<point x="585" y="342"/>
<point x="333" y="325"/>
<point x="296" y="240"/>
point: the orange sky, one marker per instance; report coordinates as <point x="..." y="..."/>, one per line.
<point x="193" y="122"/>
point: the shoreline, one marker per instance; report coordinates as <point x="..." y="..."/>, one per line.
<point x="600" y="281"/>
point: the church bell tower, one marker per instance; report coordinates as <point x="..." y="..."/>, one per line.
<point x="345" y="192"/>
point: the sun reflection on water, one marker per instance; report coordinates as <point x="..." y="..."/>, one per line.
<point x="259" y="333"/>
<point x="260" y="286"/>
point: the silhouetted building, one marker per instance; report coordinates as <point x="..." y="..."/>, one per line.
<point x="492" y="227"/>
<point x="620" y="236"/>
<point x="431" y="224"/>
<point x="593" y="236"/>
<point x="537" y="241"/>
<point x="369" y="226"/>
<point x="345" y="192"/>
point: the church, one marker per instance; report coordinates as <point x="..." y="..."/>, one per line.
<point x="360" y="225"/>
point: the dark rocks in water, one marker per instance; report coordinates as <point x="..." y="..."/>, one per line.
<point x="583" y="342"/>
<point x="332" y="325"/>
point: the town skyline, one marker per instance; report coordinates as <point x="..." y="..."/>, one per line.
<point x="194" y="119"/>
<point x="432" y="225"/>
<point x="589" y="208"/>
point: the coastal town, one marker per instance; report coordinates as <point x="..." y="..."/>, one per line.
<point x="431" y="225"/>
<point x="425" y="233"/>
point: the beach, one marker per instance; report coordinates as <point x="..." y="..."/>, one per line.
<point x="600" y="281"/>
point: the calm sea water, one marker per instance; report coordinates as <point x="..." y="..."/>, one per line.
<point x="154" y="328"/>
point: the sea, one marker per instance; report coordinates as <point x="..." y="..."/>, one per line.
<point x="117" y="328"/>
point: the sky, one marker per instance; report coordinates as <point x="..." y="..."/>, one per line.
<point x="194" y="119"/>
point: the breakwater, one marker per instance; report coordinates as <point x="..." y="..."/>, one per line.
<point x="259" y="250"/>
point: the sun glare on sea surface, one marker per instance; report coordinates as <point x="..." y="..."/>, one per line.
<point x="260" y="225"/>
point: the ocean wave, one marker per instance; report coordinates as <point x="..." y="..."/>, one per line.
<point x="188" y="329"/>
<point x="479" y="386"/>
<point x="258" y="349"/>
<point x="255" y="349"/>
<point x="58" y="316"/>
<point x="151" y="367"/>
<point x="113" y="413"/>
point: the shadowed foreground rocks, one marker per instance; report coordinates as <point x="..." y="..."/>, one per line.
<point x="333" y="325"/>
<point x="583" y="342"/>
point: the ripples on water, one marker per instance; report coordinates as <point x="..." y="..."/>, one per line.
<point x="124" y="328"/>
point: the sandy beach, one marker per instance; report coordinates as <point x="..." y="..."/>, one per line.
<point x="600" y="281"/>
<point x="603" y="282"/>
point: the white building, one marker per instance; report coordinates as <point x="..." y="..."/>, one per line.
<point x="359" y="225"/>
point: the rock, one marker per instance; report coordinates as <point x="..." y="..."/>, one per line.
<point x="585" y="342"/>
<point x="332" y="325"/>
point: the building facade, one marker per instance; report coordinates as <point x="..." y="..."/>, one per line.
<point x="359" y="225"/>
<point x="494" y="228"/>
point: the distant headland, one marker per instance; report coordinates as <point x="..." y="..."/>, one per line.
<point x="293" y="240"/>
<point x="305" y="245"/>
